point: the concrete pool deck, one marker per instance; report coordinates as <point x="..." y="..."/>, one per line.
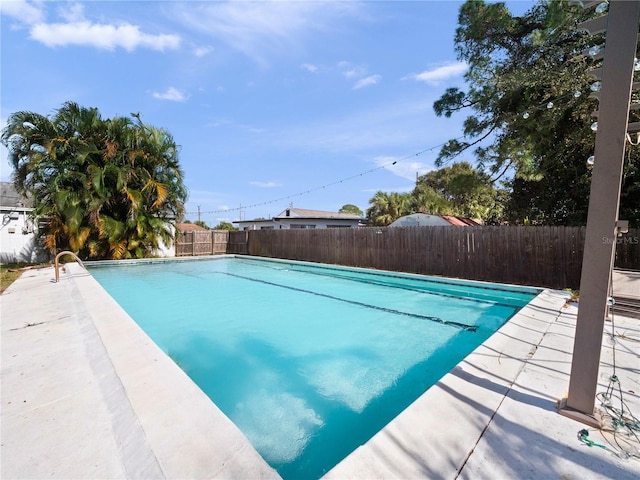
<point x="86" y="394"/>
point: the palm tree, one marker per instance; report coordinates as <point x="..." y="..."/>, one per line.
<point x="387" y="207"/>
<point x="47" y="156"/>
<point x="104" y="188"/>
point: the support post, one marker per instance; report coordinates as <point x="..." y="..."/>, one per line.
<point x="600" y="241"/>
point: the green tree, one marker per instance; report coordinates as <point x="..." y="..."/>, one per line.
<point x="103" y="188"/>
<point x="350" y="208"/>
<point x="225" y="226"/>
<point x="425" y="199"/>
<point x="458" y="189"/>
<point x="387" y="207"/>
<point x="530" y="112"/>
<point x="200" y="223"/>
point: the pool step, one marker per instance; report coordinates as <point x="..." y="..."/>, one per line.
<point x="627" y="307"/>
<point x="626" y="292"/>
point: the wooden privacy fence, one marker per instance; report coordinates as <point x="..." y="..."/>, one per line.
<point x="540" y="256"/>
<point x="206" y="242"/>
<point x="238" y="242"/>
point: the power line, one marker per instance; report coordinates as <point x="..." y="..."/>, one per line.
<point x="314" y="189"/>
<point x="546" y="105"/>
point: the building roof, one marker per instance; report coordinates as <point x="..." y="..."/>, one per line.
<point x="305" y="213"/>
<point x="461" y="221"/>
<point x="9" y="197"/>
<point x="190" y="227"/>
<point x="427" y="220"/>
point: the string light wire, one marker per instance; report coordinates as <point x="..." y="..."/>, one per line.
<point x="622" y="431"/>
<point x="545" y="105"/>
<point x="314" y="189"/>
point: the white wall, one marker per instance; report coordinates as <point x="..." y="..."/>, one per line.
<point x="18" y="237"/>
<point x="285" y="223"/>
<point x="167" y="250"/>
<point x="18" y="242"/>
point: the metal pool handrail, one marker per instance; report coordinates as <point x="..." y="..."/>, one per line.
<point x="66" y="252"/>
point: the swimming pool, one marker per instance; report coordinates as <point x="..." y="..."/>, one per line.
<point x="308" y="360"/>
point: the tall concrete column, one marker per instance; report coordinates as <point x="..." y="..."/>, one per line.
<point x="613" y="117"/>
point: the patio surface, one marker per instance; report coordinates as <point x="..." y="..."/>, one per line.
<point x="86" y="394"/>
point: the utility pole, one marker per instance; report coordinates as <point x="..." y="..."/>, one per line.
<point x="198" y="213"/>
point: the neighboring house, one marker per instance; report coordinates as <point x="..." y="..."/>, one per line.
<point x="18" y="242"/>
<point x="425" y="220"/>
<point x="292" y="218"/>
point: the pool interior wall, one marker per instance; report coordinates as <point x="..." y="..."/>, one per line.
<point x="493" y="416"/>
<point x="483" y="290"/>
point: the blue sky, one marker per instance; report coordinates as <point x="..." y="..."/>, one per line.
<point x="271" y="102"/>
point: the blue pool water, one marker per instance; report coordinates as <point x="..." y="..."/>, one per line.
<point x="309" y="361"/>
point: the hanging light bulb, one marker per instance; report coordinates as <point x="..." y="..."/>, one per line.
<point x="594" y="126"/>
<point x="595" y="50"/>
<point x="550" y="105"/>
<point x="602" y="8"/>
<point x="591" y="160"/>
<point x="596" y="86"/>
<point x="525" y="115"/>
<point x="577" y="93"/>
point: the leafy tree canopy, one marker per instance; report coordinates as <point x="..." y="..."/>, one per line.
<point x="529" y="110"/>
<point x="102" y="188"/>
<point x="200" y="223"/>
<point x="459" y="190"/>
<point x="350" y="208"/>
<point x="225" y="226"/>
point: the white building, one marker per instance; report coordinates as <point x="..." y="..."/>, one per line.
<point x="303" y="218"/>
<point x="18" y="241"/>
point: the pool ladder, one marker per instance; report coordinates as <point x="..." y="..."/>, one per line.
<point x="57" y="265"/>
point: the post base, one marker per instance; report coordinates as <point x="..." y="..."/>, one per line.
<point x="593" y="420"/>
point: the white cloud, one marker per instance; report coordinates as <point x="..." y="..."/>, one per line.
<point x="382" y="127"/>
<point x="21" y="10"/>
<point x="310" y="67"/>
<point x="172" y="94"/>
<point x="266" y="184"/>
<point x="438" y="74"/>
<point x="77" y="30"/>
<point x="261" y="29"/>
<point x="350" y="71"/>
<point x="72" y="13"/>
<point x="354" y="72"/>
<point x="358" y="72"/>
<point x="202" y="51"/>
<point x="103" y="36"/>
<point x="402" y="168"/>
<point x="366" y="82"/>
